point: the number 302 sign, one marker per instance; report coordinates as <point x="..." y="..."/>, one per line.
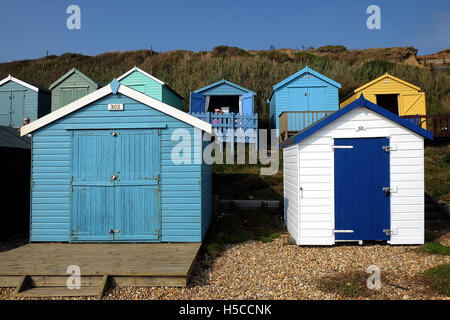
<point x="115" y="107"/>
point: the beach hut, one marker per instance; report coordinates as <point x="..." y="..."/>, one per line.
<point x="70" y="87"/>
<point x="100" y="175"/>
<point x="230" y="109"/>
<point x="393" y="94"/>
<point x="19" y="100"/>
<point x="355" y="175"/>
<point x="144" y="82"/>
<point x="302" y="99"/>
<point x="15" y="187"/>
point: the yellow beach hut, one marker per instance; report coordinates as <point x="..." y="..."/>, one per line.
<point x="393" y="94"/>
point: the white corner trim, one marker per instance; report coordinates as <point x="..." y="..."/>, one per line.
<point x="71" y="107"/>
<point x="100" y="93"/>
<point x="165" y="108"/>
<point x="23" y="83"/>
<point x="141" y="71"/>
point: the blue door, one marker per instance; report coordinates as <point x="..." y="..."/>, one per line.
<point x="137" y="185"/>
<point x="247" y="103"/>
<point x="197" y="103"/>
<point x="361" y="171"/>
<point x="116" y="189"/>
<point x="92" y="186"/>
<point x="316" y="98"/>
<point x="298" y="99"/>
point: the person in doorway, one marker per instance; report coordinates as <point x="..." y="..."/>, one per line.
<point x="216" y="111"/>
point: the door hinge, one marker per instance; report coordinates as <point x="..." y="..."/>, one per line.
<point x="115" y="133"/>
<point x="387" y="191"/>
<point x="113" y="231"/>
<point x="388" y="232"/>
<point x="386" y="148"/>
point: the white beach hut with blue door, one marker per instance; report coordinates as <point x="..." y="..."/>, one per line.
<point x="355" y="175"/>
<point x="103" y="171"/>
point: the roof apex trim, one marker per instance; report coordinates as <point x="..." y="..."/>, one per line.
<point x="135" y="68"/>
<point x="217" y="83"/>
<point x="81" y="74"/>
<point x="23" y="83"/>
<point x="306" y="70"/>
<point x="384" y="76"/>
<point x="360" y="102"/>
<point x="131" y="93"/>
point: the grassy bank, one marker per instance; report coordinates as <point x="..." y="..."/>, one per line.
<point x="257" y="70"/>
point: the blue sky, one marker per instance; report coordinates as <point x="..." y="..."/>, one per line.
<point x="29" y="28"/>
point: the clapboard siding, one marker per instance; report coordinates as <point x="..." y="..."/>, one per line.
<point x="152" y="88"/>
<point x="316" y="168"/>
<point x="137" y="80"/>
<point x="185" y="189"/>
<point x="290" y="174"/>
<point x="74" y="80"/>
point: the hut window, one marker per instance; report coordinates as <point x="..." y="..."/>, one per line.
<point x="230" y="103"/>
<point x="389" y="102"/>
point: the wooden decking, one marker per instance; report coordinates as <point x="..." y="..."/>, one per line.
<point x="39" y="269"/>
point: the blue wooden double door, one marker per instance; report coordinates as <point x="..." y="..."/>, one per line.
<point x="116" y="185"/>
<point x="362" y="205"/>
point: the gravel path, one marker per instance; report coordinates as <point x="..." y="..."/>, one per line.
<point x="276" y="270"/>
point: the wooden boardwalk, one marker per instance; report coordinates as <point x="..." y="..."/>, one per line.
<point x="40" y="269"/>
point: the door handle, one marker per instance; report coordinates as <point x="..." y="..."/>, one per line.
<point x="114" y="177"/>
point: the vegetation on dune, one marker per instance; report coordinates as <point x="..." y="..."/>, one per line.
<point x="257" y="70"/>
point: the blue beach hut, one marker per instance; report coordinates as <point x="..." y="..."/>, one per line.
<point x="302" y="99"/>
<point x="103" y="171"/>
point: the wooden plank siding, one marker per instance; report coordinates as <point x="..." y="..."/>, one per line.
<point x="291" y="190"/>
<point x="74" y="80"/>
<point x="181" y="185"/>
<point x="152" y="88"/>
<point x="411" y="101"/>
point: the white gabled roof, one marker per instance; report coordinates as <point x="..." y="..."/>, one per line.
<point x="27" y="85"/>
<point x="116" y="87"/>
<point x="141" y="71"/>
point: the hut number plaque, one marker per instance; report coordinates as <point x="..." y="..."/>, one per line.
<point x="115" y="107"/>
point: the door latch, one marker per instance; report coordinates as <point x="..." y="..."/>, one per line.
<point x="387" y="191"/>
<point x="113" y="231"/>
<point x="114" y="133"/>
<point x="114" y="177"/>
